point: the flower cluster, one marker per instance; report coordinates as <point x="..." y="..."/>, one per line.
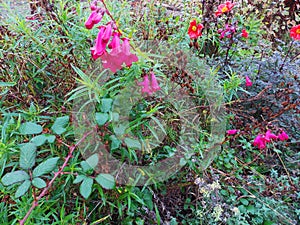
<point x="109" y="37"/>
<point x="224" y="8"/>
<point x="195" y="30"/>
<point x="262" y="139"/>
<point x="295" y="32"/>
<point x="147" y="86"/>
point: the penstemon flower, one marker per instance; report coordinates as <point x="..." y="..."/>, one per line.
<point x="248" y="82"/>
<point x="109" y="37"/>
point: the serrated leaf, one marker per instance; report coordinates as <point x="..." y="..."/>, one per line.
<point x="45" y="167"/>
<point x="101" y="118"/>
<point x="92" y="160"/>
<point x="30" y="128"/>
<point x="38" y="182"/>
<point x="86" y="187"/>
<point x="78" y="179"/>
<point x="23" y="188"/>
<point x="28" y="154"/>
<point x="14" y="177"/>
<point x="106" y="104"/>
<point x="107" y="181"/>
<point x="60" y="124"/>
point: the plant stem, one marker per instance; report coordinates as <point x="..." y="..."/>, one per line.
<point x="56" y="174"/>
<point x="285" y="58"/>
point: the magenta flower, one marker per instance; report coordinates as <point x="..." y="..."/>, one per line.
<point x="154" y="84"/>
<point x="232" y="132"/>
<point x="227" y="31"/>
<point x="100" y="45"/>
<point x="260" y="141"/>
<point x="283" y="136"/>
<point x="94" y="18"/>
<point x="269" y="136"/>
<point x="107" y="33"/>
<point x="145" y="85"/>
<point x="248" y="82"/>
<point x="94" y="5"/>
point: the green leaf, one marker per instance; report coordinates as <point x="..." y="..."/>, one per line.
<point x="7" y="84"/>
<point x="86" y="187"/>
<point x="78" y="179"/>
<point x="59" y="125"/>
<point x="14" y="177"/>
<point x="28" y="154"/>
<point x="86" y="167"/>
<point x="115" y="142"/>
<point x="244" y="201"/>
<point x="106" y="104"/>
<point x="30" y="128"/>
<point x="39" y="140"/>
<point x="93" y="160"/>
<point x="132" y="143"/>
<point x="23" y="188"/>
<point x="45" y="167"/>
<point x="38" y="182"/>
<point x="50" y="138"/>
<point x="101" y="118"/>
<point x="42" y="138"/>
<point x="107" y="181"/>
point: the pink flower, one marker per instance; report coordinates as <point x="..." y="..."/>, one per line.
<point x="269" y="136"/>
<point x="224" y="8"/>
<point x="248" y="82"/>
<point x="94" y="5"/>
<point x="94" y="18"/>
<point x="154" y="84"/>
<point x="107" y="33"/>
<point x="127" y="56"/>
<point x="100" y="45"/>
<point x="283" y="136"/>
<point x="245" y="34"/>
<point x="146" y="85"/>
<point x="260" y="141"/>
<point x="232" y="132"/>
<point x="227" y="31"/>
<point x="118" y="55"/>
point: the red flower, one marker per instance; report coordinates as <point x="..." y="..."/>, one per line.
<point x="248" y="82"/>
<point x="245" y="33"/>
<point x="295" y="32"/>
<point x="224" y="8"/>
<point x="195" y="30"/>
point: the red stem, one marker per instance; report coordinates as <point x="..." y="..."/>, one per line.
<point x="56" y="174"/>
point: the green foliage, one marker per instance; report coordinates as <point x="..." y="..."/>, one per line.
<point x="46" y="67"/>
